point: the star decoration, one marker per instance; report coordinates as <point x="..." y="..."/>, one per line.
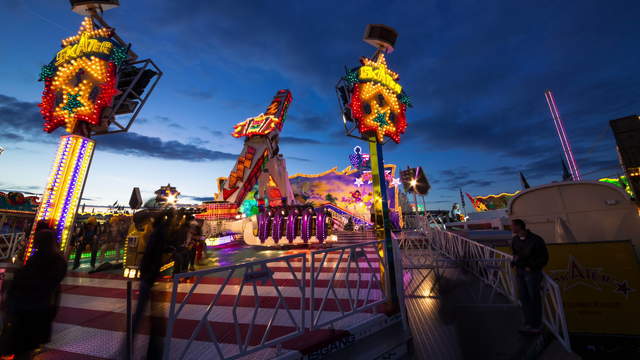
<point x="351" y="77"/>
<point x="96" y="76"/>
<point x="395" y="182"/>
<point x="87" y="29"/>
<point x="404" y="98"/>
<point x="381" y="64"/>
<point x="81" y="76"/>
<point x="377" y="111"/>
<point x="381" y="119"/>
<point x="624" y="288"/>
<point x="72" y="103"/>
<point x="359" y="182"/>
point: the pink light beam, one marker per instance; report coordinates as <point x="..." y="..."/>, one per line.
<point x="562" y="134"/>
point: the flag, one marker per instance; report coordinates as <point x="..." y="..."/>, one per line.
<point x="477" y="204"/>
<point x="565" y="172"/>
<point x="523" y="181"/>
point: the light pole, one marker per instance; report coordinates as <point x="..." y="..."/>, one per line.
<point x="373" y="102"/>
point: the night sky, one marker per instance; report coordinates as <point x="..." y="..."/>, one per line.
<point x="476" y="72"/>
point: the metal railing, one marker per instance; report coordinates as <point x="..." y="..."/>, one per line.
<point x="10" y="244"/>
<point x="354" y="274"/>
<point x="493" y="267"/>
<point x="262" y="304"/>
<point x="252" y="323"/>
<point x="422" y="222"/>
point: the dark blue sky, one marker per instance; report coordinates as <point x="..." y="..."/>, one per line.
<point x="476" y="72"/>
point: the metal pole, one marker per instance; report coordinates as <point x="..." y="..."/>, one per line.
<point x="382" y="223"/>
<point x="129" y="345"/>
<point x="424" y="205"/>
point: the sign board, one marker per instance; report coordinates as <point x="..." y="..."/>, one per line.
<point x="600" y="285"/>
<point x="376" y="101"/>
<point x="80" y="81"/>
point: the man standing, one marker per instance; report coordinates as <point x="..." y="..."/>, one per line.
<point x="529" y="257"/>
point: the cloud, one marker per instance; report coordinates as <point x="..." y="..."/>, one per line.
<point x="148" y="146"/>
<point x="214" y="133"/>
<point x="295" y="158"/>
<point x="460" y="177"/>
<point x="314" y="123"/>
<point x="198" y="198"/>
<point x="197" y="141"/>
<point x="23" y="122"/>
<point x="11" y="137"/>
<point x="25" y="189"/>
<point x="197" y="94"/>
<point x="292" y="140"/>
<point x="176" y="126"/>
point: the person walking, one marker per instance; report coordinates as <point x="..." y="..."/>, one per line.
<point x="34" y="297"/>
<point x="150" y="266"/>
<point x="88" y="236"/>
<point x="530" y="256"/>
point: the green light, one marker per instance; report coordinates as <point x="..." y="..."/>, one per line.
<point x="381" y="119"/>
<point x="351" y="77"/>
<point x="405" y="99"/>
<point x="118" y="55"/>
<point x="72" y="103"/>
<point x="47" y="72"/>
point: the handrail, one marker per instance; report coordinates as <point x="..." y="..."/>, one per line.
<point x="248" y="332"/>
<point x="360" y="297"/>
<point x="346" y="278"/>
<point x="475" y="256"/>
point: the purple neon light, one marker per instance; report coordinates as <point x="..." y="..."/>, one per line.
<point x="71" y="189"/>
<point x="263" y="226"/>
<point x="276" y="228"/>
<point x="562" y="134"/>
<point x="56" y="179"/>
<point x="305" y="226"/>
<point x="321" y="233"/>
<point x="292" y="225"/>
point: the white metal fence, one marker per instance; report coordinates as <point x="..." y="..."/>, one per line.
<point x="10" y="244"/>
<point x="356" y="271"/>
<point x="233" y="311"/>
<point x="493" y="267"/>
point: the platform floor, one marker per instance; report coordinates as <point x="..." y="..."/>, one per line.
<point x="461" y="321"/>
<point x="91" y="320"/>
<point x="454" y="323"/>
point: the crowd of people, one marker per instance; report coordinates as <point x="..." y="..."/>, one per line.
<point x="31" y="302"/>
<point x="99" y="238"/>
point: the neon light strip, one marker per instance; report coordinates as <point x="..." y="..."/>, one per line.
<point x="555" y="116"/>
<point x="64" y="189"/>
<point x="562" y="134"/>
<point x="576" y="174"/>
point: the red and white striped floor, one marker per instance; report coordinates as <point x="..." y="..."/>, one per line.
<point x="91" y="319"/>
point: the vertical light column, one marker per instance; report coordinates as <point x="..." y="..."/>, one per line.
<point x="562" y="134"/>
<point x="63" y="192"/>
<point x="382" y="224"/>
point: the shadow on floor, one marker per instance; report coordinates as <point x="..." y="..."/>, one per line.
<point x="462" y="321"/>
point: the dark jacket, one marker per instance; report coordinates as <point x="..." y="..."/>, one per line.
<point x="32" y="301"/>
<point x="530" y="252"/>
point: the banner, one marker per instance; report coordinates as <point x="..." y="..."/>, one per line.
<point x="600" y="284"/>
